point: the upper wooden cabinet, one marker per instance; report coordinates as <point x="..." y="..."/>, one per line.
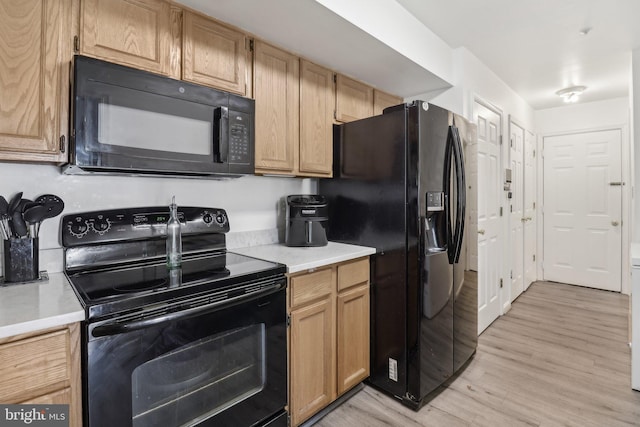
<point x="317" y="101"/>
<point x="213" y="54"/>
<point x="137" y="33"/>
<point x="276" y="90"/>
<point x="35" y="50"/>
<point x="354" y="99"/>
<point x="382" y="100"/>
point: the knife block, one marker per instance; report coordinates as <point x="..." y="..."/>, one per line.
<point x="21" y="260"/>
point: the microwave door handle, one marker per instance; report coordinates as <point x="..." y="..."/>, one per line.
<point x="222" y="137"/>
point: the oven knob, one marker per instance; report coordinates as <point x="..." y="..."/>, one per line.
<point x="221" y="219"/>
<point x="207" y="218"/>
<point x="78" y="228"/>
<point x="101" y="225"/>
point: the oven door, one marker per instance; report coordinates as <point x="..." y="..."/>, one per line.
<point x="220" y="363"/>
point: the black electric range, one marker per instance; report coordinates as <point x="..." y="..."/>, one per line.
<point x="223" y="312"/>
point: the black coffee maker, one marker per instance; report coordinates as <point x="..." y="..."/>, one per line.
<point x="307" y="220"/>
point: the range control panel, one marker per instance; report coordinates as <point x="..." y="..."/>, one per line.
<point x="138" y="224"/>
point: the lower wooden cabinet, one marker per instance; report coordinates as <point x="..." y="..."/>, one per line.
<point x="43" y="368"/>
<point x="352" y="337"/>
<point x="328" y="335"/>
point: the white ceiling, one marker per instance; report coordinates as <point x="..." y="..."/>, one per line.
<point x="534" y="46"/>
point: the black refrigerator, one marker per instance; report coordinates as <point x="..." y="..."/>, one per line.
<point x="399" y="185"/>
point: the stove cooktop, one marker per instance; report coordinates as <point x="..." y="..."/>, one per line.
<point x="115" y="259"/>
<point x="114" y="290"/>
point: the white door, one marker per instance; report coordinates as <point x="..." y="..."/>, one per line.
<point x="530" y="223"/>
<point x="516" y="208"/>
<point x="582" y="209"/>
<point x="489" y="193"/>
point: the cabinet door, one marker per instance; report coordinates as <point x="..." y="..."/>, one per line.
<point x="317" y="103"/>
<point x="35" y="50"/>
<point x="382" y="100"/>
<point x="352" y="337"/>
<point x="136" y="33"/>
<point x="312" y="359"/>
<point x="354" y="100"/>
<point x="213" y="54"/>
<point x="277" y="93"/>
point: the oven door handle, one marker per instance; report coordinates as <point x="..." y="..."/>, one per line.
<point x="124" y="327"/>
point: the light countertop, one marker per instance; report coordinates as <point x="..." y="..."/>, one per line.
<point x="34" y="306"/>
<point x="301" y="259"/>
<point x="41" y="305"/>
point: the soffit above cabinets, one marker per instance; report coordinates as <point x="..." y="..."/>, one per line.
<point x="313" y="31"/>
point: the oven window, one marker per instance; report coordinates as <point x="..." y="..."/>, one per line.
<point x="199" y="380"/>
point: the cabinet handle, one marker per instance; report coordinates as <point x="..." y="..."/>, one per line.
<point x="615" y="223"/>
<point x="481" y="231"/>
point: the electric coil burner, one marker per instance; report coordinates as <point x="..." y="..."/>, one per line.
<point x="205" y="346"/>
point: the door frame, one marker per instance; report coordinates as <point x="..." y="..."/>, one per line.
<point x="516" y="122"/>
<point x="505" y="293"/>
<point x="627" y="191"/>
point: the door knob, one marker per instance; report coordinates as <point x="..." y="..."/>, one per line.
<point x="481" y="231"/>
<point x="614" y="223"/>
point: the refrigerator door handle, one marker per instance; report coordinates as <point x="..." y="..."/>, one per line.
<point x="448" y="158"/>
<point x="461" y="199"/>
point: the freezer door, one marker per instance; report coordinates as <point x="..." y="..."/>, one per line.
<point x="431" y="352"/>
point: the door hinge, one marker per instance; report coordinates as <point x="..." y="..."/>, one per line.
<point x="76" y="44"/>
<point x="534" y="258"/>
<point x="511" y="274"/>
<point x="534" y="205"/>
<point x="251" y="47"/>
<point x="335" y="78"/>
<point x="534" y="153"/>
<point x="500" y="139"/>
<point x="511" y="208"/>
<point x="511" y="140"/>
<point x="288" y="320"/>
<point x="500" y="283"/>
<point x="62" y="143"/>
<point x="500" y="210"/>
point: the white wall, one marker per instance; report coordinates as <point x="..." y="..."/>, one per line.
<point x="583" y="116"/>
<point x="254" y="203"/>
<point x="473" y="79"/>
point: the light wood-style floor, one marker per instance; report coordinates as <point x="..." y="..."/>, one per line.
<point x="559" y="357"/>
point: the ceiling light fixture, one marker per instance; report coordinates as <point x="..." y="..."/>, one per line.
<point x="571" y="94"/>
<point x="585" y="31"/>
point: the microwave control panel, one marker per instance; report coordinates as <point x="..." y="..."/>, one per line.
<point x="239" y="138"/>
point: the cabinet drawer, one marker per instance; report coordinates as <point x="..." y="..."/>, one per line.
<point x="353" y="273"/>
<point x="32" y="366"/>
<point x="310" y="286"/>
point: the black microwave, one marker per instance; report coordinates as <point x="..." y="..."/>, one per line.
<point x="125" y="120"/>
